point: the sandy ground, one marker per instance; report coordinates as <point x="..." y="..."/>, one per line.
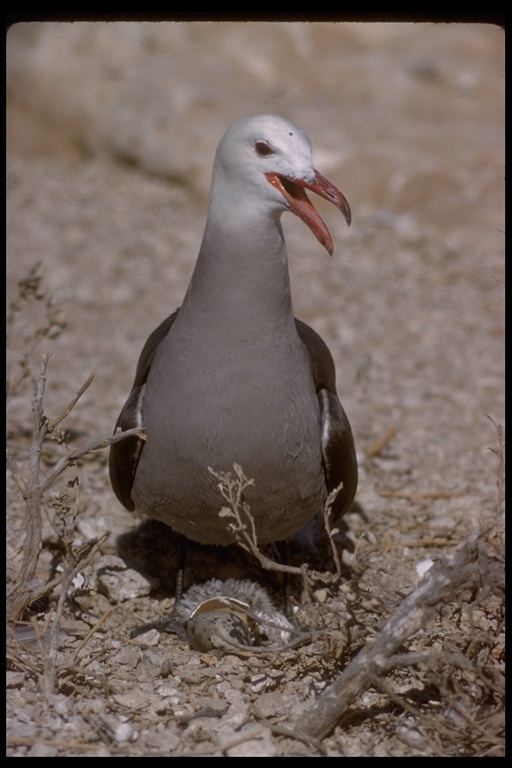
<point x="111" y="134"/>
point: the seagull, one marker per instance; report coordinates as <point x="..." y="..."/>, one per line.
<point x="232" y="377"/>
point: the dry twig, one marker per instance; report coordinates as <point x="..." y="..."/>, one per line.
<point x="34" y="487"/>
<point x="243" y="528"/>
<point x="441" y="583"/>
<point x="331" y="532"/>
<point x="500" y="480"/>
<point x="469" y="570"/>
<point x="242" y="524"/>
<point x="375" y="448"/>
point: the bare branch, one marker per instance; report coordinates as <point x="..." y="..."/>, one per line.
<point x="90" y="447"/>
<point x="32" y="496"/>
<point x="34" y="488"/>
<point x="71" y="405"/>
<point x="440" y="583"/>
<point x="331" y="532"/>
<point x="500" y="453"/>
<point x="243" y="526"/>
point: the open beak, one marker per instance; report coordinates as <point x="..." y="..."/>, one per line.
<point x="293" y="191"/>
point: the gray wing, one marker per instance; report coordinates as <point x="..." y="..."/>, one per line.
<point x="338" y="451"/>
<point x="124" y="455"/>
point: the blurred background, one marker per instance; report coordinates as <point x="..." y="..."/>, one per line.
<point x="409" y="116"/>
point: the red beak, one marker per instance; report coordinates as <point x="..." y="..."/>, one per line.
<point x="293" y="191"/>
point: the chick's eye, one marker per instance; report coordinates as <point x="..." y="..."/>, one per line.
<point x="263" y="149"/>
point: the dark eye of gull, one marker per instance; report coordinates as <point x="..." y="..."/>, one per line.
<point x="263" y="149"/>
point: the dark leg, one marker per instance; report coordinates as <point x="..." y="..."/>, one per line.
<point x="170" y="623"/>
<point x="182" y="561"/>
<point x="284" y="552"/>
